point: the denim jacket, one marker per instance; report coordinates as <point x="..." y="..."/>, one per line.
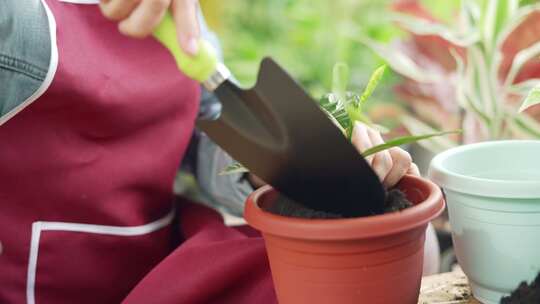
<point x="23" y="24"/>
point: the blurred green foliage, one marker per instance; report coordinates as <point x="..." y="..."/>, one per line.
<point x="307" y="37"/>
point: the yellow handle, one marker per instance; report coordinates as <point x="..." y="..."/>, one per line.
<point x="199" y="67"/>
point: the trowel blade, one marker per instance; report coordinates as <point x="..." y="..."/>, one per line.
<point x="280" y="134"/>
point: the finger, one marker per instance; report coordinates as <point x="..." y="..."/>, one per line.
<point x="187" y="24"/>
<point x="413" y="170"/>
<point x="382" y="161"/>
<point x="144" y="18"/>
<point x="360" y="139"/>
<point x="401" y="163"/>
<point x="117" y="9"/>
<point x="255" y="181"/>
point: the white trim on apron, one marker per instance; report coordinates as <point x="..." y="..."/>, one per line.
<point x="38" y="227"/>
<point x="53" y="64"/>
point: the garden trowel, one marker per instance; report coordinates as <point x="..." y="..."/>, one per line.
<point x="281" y="135"/>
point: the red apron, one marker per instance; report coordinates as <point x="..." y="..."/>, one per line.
<point x="86" y="173"/>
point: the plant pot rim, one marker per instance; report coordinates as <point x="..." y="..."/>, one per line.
<point x="451" y="180"/>
<point x="349" y="228"/>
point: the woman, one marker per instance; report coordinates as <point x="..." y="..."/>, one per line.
<point x="93" y="127"/>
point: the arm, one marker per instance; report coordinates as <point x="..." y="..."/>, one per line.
<point x="205" y="160"/>
<point x="226" y="191"/>
<point x="24" y="51"/>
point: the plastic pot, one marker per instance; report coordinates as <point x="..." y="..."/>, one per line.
<point x="376" y="259"/>
<point x="493" y="195"/>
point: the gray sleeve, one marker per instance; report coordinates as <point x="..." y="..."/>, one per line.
<point x="25" y="51"/>
<point x="227" y="192"/>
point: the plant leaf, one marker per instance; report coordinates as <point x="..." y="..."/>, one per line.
<point x="355" y="114"/>
<point x="405" y="140"/>
<point x="496" y="15"/>
<point x="233" y="169"/>
<point x="519" y="16"/>
<point x="344" y="108"/>
<point x="520" y="125"/>
<point x="519" y="61"/>
<point x="340" y="80"/>
<point x="372" y="84"/>
<point x="465" y="95"/>
<point x="336" y="123"/>
<point x="354" y="104"/>
<point x="435" y="144"/>
<point x="489" y="102"/>
<point x="399" y="61"/>
<point x="527" y="125"/>
<point x="472" y="11"/>
<point x="523" y="88"/>
<point x="533" y="98"/>
<point x="335" y="109"/>
<point x="441" y="10"/>
<point x="421" y="26"/>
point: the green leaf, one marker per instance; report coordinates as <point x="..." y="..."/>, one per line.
<point x="344" y="108"/>
<point x="340" y="80"/>
<point x="471" y="10"/>
<point x="465" y="93"/>
<point x="234" y="169"/>
<point x="527" y="2"/>
<point x="495" y="15"/>
<point x="335" y="109"/>
<point x="533" y="98"/>
<point x="489" y="103"/>
<point x="435" y="144"/>
<point x="372" y="84"/>
<point x="442" y="10"/>
<point x="404" y="140"/>
<point x="336" y="123"/>
<point x="527" y="125"/>
<point x="355" y="114"/>
<point x="399" y="61"/>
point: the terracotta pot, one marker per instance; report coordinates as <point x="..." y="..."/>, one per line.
<point x="376" y="259"/>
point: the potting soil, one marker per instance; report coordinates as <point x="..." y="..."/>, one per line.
<point x="395" y="201"/>
<point x="525" y="293"/>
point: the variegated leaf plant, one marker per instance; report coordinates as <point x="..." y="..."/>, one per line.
<point x="345" y="108"/>
<point x="479" y="72"/>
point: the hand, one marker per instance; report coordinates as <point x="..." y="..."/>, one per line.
<point x="390" y="165"/>
<point x="255" y="181"/>
<point x="139" y="18"/>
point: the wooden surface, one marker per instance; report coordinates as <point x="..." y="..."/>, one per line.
<point x="446" y="288"/>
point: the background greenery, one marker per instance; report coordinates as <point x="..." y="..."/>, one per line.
<point x="308" y="37"/>
<point x="305" y="36"/>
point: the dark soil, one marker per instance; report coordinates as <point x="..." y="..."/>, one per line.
<point x="525" y="293"/>
<point x="395" y="201"/>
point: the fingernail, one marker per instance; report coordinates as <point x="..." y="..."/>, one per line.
<point x="192" y="46"/>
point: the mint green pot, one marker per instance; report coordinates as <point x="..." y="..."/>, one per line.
<point x="493" y="196"/>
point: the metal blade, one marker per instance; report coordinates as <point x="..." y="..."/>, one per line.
<point x="277" y="131"/>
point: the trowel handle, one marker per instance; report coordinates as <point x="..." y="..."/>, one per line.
<point x="199" y="67"/>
